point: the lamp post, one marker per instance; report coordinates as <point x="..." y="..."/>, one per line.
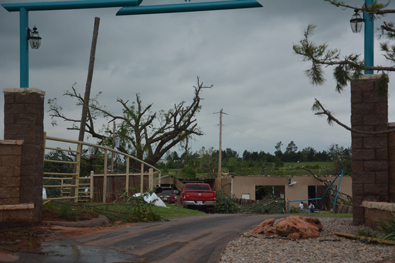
<point x="356" y="26"/>
<point x="34" y="38"/>
<point x="26" y="35"/>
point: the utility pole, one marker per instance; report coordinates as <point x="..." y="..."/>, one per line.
<point x="220" y="148"/>
<point x="85" y="106"/>
<point x="113" y="145"/>
<point x="89" y="79"/>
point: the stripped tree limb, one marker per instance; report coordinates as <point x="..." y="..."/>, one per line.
<point x="363" y="238"/>
<point x="325" y="182"/>
<point x="318" y="106"/>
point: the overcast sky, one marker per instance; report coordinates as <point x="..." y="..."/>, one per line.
<point x="246" y="54"/>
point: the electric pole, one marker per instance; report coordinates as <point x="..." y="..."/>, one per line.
<point x="89" y="79"/>
<point x="220" y="148"/>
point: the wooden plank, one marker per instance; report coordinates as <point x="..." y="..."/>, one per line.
<point x="127" y="177"/>
<point x="91" y="190"/>
<point x="49" y="173"/>
<point x="59" y="185"/>
<point x="151" y="179"/>
<point x="58" y="178"/>
<point x="142" y="179"/>
<point x="105" y="178"/>
<point x="54" y="161"/>
<point x="59" y="149"/>
<point x="17" y="207"/>
<point x="363" y="238"/>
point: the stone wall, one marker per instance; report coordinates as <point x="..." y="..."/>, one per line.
<point x="12" y="212"/>
<point x="369" y="152"/>
<point x="391" y="163"/>
<point x="10" y="171"/>
<point x="375" y="211"/>
<point x="23" y="120"/>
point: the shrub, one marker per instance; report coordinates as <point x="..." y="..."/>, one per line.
<point x="271" y="205"/>
<point x="294" y="210"/>
<point x="225" y="204"/>
<point x="387" y="226"/>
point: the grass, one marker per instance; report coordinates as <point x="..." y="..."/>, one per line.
<point x="319" y="168"/>
<point x="174" y="211"/>
<point x="118" y="212"/>
<point x="324" y="215"/>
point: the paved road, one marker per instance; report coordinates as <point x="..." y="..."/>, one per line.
<point x="185" y="239"/>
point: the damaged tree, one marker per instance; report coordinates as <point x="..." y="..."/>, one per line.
<point x="348" y="67"/>
<point x="144" y="134"/>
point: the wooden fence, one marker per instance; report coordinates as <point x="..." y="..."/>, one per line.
<point x="81" y="185"/>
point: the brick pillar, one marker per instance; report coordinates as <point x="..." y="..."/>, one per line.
<point x="23" y="120"/>
<point x="369" y="152"/>
<point x="391" y="160"/>
<point x="10" y="172"/>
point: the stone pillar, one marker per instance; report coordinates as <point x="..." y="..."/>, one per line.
<point x="10" y="172"/>
<point x="369" y="152"/>
<point x="23" y="120"/>
<point x="391" y="160"/>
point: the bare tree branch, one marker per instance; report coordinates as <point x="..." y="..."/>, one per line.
<point x="139" y="130"/>
<point x="332" y="118"/>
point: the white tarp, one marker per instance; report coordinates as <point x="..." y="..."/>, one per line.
<point x="151" y="198"/>
<point x="44" y="193"/>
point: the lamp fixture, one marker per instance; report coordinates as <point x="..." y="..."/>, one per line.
<point x="356" y="22"/>
<point x="34" y="38"/>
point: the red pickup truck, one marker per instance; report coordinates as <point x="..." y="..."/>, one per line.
<point x="198" y="196"/>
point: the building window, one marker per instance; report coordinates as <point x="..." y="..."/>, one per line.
<point x="245" y="196"/>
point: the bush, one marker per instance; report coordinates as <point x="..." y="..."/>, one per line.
<point x="271" y="205"/>
<point x="387" y="226"/>
<point x="225" y="204"/>
<point x="294" y="210"/>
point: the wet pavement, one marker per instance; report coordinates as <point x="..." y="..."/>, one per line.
<point x="185" y="239"/>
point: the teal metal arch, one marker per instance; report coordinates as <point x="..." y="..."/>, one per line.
<point x="130" y="7"/>
<point x="190" y="7"/>
<point x="24" y="8"/>
<point x="368" y="39"/>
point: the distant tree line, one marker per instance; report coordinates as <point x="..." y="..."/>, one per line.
<point x="253" y="162"/>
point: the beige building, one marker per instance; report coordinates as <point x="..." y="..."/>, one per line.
<point x="287" y="187"/>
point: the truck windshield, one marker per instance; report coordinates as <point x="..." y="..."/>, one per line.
<point x="202" y="187"/>
<point x="167" y="191"/>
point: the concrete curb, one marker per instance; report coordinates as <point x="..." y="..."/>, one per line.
<point x="101" y="220"/>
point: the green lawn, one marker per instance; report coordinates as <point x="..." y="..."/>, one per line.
<point x="319" y="168"/>
<point x="323" y="215"/>
<point x="174" y="210"/>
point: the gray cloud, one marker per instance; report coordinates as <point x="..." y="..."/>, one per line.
<point x="246" y="54"/>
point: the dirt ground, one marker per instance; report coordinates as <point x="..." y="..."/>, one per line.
<point x="48" y="215"/>
<point x="28" y="239"/>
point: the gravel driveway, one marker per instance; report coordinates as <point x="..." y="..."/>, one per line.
<point x="326" y="248"/>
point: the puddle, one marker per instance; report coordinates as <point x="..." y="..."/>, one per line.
<point x="67" y="250"/>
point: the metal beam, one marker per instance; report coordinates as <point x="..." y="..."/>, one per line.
<point x="42" y="6"/>
<point x="188" y="7"/>
<point x="369" y="39"/>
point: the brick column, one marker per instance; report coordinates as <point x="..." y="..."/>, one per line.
<point x="391" y="160"/>
<point x="23" y="120"/>
<point x="369" y="152"/>
<point x="10" y="172"/>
